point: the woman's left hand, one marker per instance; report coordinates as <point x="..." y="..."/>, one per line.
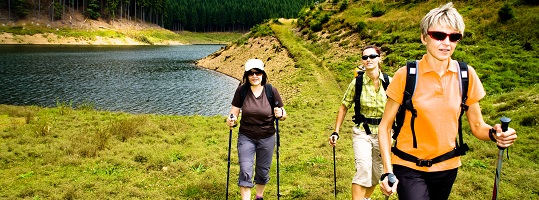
<point x="504" y="139"/>
<point x="280" y="113"/>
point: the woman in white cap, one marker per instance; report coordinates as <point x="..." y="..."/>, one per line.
<point x="256" y="135"/>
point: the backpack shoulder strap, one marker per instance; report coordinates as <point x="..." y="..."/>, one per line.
<point x="464" y="81"/>
<point x="409" y="89"/>
<point x="358" y="117"/>
<point x="386" y="81"/>
<point x="243" y="93"/>
<point x="359" y="85"/>
<point x="269" y="94"/>
<point x="411" y="78"/>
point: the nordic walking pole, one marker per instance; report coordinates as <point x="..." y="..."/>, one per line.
<point x="391" y="179"/>
<point x="278" y="143"/>
<point x="229" y="147"/>
<point x="334" y="173"/>
<point x="505" y="125"/>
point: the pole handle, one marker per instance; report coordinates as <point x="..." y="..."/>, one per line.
<point x="505" y="125"/>
<point x="230" y="117"/>
<point x="391" y="179"/>
<point x="278" y="139"/>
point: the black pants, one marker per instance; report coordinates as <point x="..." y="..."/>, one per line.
<point x="419" y="185"/>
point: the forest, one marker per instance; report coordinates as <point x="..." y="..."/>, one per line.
<point x="175" y="15"/>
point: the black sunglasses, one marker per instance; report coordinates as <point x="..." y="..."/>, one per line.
<point x="372" y="56"/>
<point x="437" y="35"/>
<point x="250" y="73"/>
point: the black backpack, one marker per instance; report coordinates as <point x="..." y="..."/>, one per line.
<point x="358" y="117"/>
<point x="461" y="147"/>
<point x="268" y="90"/>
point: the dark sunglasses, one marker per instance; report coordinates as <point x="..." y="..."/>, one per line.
<point x="437" y="35"/>
<point x="372" y="56"/>
<point x="250" y="73"/>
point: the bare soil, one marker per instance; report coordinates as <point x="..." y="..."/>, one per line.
<point x="231" y="59"/>
<point x="74" y="20"/>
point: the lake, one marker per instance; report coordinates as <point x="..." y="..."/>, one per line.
<point x="133" y="79"/>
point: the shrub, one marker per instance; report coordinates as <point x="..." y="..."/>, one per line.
<point x="360" y="26"/>
<point x="505" y="13"/>
<point x="530" y="2"/>
<point x="312" y="36"/>
<point x="315" y="26"/>
<point x="343" y="6"/>
<point x="43" y="128"/>
<point x="261" y="30"/>
<point x="128" y="128"/>
<point x="324" y="18"/>
<point x="377" y="10"/>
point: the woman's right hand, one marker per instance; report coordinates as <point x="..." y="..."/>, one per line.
<point x="333" y="139"/>
<point x="231" y="120"/>
<point x="386" y="189"/>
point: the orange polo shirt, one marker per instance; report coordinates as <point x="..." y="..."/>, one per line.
<point x="437" y="101"/>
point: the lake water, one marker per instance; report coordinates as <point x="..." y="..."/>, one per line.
<point x="133" y="79"/>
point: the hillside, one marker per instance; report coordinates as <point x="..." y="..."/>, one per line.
<point x="78" y="152"/>
<point x="325" y="45"/>
<point x="36" y="29"/>
<point x="80" y="30"/>
<point x="131" y="21"/>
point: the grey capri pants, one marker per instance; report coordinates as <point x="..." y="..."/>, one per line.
<point x="247" y="150"/>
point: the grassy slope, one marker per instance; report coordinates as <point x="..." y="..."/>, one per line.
<point x="58" y="153"/>
<point x="513" y="72"/>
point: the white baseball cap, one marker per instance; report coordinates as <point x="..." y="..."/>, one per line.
<point x="254" y="63"/>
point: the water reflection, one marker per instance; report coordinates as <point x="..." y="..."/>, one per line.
<point x="135" y="79"/>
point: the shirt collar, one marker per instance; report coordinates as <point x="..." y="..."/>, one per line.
<point x="366" y="78"/>
<point x="425" y="67"/>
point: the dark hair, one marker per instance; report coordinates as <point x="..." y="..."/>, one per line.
<point x="246" y="77"/>
<point x="373" y="47"/>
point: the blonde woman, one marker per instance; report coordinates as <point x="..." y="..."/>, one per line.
<point x="437" y="102"/>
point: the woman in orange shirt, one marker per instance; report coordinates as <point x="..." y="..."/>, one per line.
<point x="437" y="100"/>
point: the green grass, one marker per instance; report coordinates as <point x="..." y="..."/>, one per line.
<point x="148" y="36"/>
<point x="76" y="152"/>
<point x="504" y="54"/>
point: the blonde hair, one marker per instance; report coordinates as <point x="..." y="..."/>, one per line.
<point x="444" y="15"/>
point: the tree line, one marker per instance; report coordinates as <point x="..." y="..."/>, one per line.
<point x="176" y="15"/>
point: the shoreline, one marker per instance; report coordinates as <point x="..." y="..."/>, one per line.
<point x="53" y="39"/>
